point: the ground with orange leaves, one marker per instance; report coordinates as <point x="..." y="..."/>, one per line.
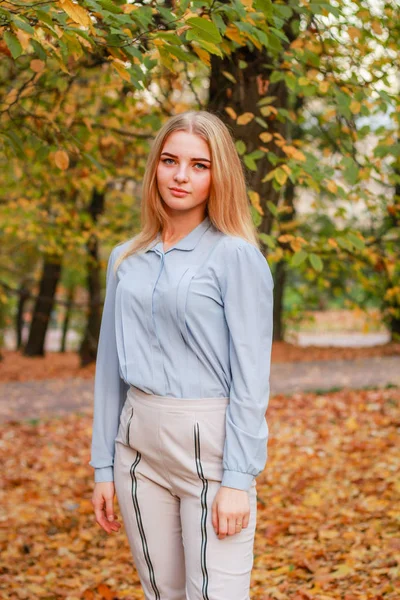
<point x="16" y="367"/>
<point x="328" y="506"/>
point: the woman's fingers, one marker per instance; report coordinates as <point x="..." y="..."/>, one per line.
<point x="222" y="526"/>
<point x="246" y="520"/>
<point x="103" y="504"/>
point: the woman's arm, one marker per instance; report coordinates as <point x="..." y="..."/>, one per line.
<point x="109" y="389"/>
<point x="247" y="289"/>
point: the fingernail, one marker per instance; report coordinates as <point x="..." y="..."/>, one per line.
<point x="111" y="518"/>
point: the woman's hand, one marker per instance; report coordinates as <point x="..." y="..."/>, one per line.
<point x="103" y="501"/>
<point x="230" y="511"/>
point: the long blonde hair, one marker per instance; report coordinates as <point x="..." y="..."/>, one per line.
<point x="228" y="206"/>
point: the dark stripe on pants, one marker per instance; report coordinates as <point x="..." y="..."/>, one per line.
<point x="140" y="527"/>
<point x="203" y="511"/>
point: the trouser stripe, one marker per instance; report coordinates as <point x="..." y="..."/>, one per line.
<point x="203" y="511"/>
<point x="128" y="427"/>
<point x="140" y="527"/>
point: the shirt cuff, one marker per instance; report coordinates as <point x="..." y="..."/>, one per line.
<point x="237" y="480"/>
<point x="103" y="474"/>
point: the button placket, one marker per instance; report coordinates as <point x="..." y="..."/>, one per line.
<point x="159" y="369"/>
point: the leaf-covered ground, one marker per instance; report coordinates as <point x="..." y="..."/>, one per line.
<point x="55" y="365"/>
<point x="328" y="511"/>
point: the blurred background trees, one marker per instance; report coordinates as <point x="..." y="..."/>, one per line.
<point x="310" y="90"/>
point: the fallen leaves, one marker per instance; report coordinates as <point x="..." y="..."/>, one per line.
<point x="328" y="506"/>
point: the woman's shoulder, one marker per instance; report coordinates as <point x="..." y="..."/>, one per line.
<point x="121" y="247"/>
<point x="232" y="246"/>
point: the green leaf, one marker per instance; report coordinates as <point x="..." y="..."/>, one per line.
<point x="13" y="44"/>
<point x="264" y="6"/>
<point x="166" y="14"/>
<point x="45" y="18"/>
<point x="240" y="146"/>
<point x="39" y="50"/>
<point x="210" y="47"/>
<point x="22" y="24"/>
<point x="268" y="240"/>
<point x="344" y="243"/>
<point x="219" y="22"/>
<point x="110" y="6"/>
<point x="168" y="36"/>
<point x="276" y="76"/>
<point x="356" y="241"/>
<point x="250" y="163"/>
<point x="316" y="262"/>
<point x="229" y="76"/>
<point x="179" y="53"/>
<point x="298" y="258"/>
<point x="272" y="208"/>
<point x="205" y="29"/>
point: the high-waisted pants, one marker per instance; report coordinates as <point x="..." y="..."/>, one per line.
<point x="167" y="471"/>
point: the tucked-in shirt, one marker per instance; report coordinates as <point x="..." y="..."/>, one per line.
<point x="194" y="321"/>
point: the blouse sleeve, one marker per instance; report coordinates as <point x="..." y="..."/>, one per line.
<point x="247" y="292"/>
<point x="109" y="389"/>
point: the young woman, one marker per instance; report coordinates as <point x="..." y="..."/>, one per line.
<point x="182" y="373"/>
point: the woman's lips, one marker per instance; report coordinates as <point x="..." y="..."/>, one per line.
<point x="178" y="192"/>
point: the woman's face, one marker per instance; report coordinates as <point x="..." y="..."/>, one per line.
<point x="184" y="171"/>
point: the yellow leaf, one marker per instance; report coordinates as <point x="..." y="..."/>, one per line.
<point x="303" y="81"/>
<point x="323" y="87"/>
<point x="24" y="38"/>
<point x="245" y="118"/>
<point x="376" y="27"/>
<point x="354" y="32"/>
<point x="342" y="571"/>
<point x="122" y="71"/>
<point x="255" y="201"/>
<point x="76" y="12"/>
<point x="293" y="152"/>
<point x="298" y="43"/>
<point x="61" y="159"/>
<point x="286" y="237"/>
<point x="333" y="243"/>
<point x="231" y="112"/>
<point x="37" y="65"/>
<point x="234" y="34"/>
<point x="265" y="136"/>
<point x="351" y="424"/>
<point x="202" y="54"/>
<point x="332" y="187"/>
<point x="280" y="176"/>
<point x="312" y="499"/>
<point x="267" y="110"/>
<point x="355" y="107"/>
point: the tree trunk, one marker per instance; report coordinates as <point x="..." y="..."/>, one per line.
<point x="24" y="294"/>
<point x="43" y="306"/>
<point x="252" y="84"/>
<point x="67" y="317"/>
<point x="88" y="349"/>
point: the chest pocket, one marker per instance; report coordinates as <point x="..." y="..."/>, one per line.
<point x="181" y="300"/>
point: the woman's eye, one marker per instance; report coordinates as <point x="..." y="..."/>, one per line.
<point x="165" y="160"/>
<point x="201" y="165"/>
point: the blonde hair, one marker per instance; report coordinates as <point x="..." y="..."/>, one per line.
<point x="228" y="206"/>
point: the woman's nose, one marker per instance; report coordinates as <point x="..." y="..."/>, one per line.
<point x="181" y="174"/>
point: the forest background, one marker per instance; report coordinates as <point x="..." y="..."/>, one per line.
<point x="310" y="90"/>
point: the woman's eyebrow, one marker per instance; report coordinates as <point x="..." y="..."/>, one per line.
<point x="174" y="156"/>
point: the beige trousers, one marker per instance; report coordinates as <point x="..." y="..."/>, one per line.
<point x="167" y="470"/>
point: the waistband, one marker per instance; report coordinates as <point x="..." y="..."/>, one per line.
<point x="185" y="404"/>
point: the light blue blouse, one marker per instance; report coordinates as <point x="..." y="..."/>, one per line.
<point x="192" y="322"/>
